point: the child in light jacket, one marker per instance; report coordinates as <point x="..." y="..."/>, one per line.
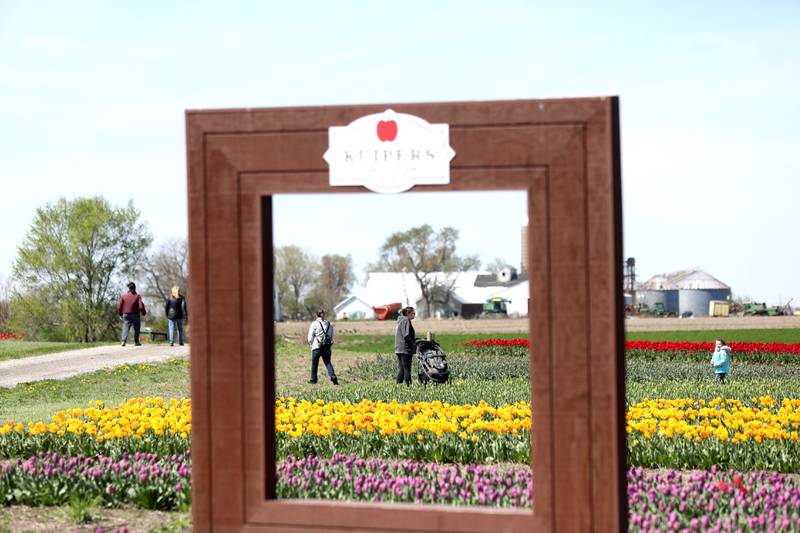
<point x="721" y="360"/>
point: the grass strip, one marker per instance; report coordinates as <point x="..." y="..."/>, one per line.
<point x="17" y="349"/>
<point x="39" y="400"/>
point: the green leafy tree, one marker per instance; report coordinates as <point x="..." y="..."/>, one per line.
<point x="296" y="272"/>
<point x="5" y="304"/>
<point x="72" y="264"/>
<point x="333" y="284"/>
<point x="423" y="252"/>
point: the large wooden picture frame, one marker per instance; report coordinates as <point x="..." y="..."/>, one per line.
<point x="565" y="155"/>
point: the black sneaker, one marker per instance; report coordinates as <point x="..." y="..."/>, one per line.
<point x="312" y="382"/>
<point x="335" y="381"/>
<point x="138" y="344"/>
<point x="123" y="344"/>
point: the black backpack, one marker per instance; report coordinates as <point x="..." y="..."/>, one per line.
<point x="326" y="340"/>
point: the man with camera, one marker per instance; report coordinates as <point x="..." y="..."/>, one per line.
<point x="320" y="337"/>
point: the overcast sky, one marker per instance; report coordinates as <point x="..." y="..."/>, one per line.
<point x="92" y="100"/>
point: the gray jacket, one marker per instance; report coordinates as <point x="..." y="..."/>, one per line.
<point x="404" y="336"/>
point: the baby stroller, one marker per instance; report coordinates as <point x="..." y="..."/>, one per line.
<point x="432" y="362"/>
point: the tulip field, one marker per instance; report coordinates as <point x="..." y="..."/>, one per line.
<point x="703" y="456"/>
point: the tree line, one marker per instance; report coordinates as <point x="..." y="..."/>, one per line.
<point x="78" y="255"/>
<point x="73" y="265"/>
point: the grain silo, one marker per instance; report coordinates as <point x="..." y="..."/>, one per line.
<point x="686" y="292"/>
<point x="524" y="252"/>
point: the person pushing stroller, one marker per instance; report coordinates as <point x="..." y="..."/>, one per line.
<point x="405" y="344"/>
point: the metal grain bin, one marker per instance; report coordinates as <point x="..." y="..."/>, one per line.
<point x="697" y="301"/>
<point x="669" y="298"/>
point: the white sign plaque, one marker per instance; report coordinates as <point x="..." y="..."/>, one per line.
<point x="389" y="152"/>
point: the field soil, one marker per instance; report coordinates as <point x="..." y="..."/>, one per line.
<point x="712" y="323"/>
<point x="51" y="519"/>
<point x="520" y="325"/>
<point x="386" y="327"/>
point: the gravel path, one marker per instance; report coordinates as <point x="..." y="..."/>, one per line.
<point x="65" y="364"/>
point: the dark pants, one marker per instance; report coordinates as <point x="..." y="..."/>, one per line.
<point x="720" y="377"/>
<point x="404" y="367"/>
<point x="129" y="320"/>
<point x="324" y="352"/>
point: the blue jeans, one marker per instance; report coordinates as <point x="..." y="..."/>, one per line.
<point x="129" y="320"/>
<point x="172" y="323"/>
<point x="325" y="353"/>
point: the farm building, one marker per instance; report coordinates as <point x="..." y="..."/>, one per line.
<point x="353" y="308"/>
<point x="684" y="293"/>
<point x="468" y="292"/>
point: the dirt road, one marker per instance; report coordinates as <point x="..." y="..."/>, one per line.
<point x="66" y="364"/>
<point x="520" y="325"/>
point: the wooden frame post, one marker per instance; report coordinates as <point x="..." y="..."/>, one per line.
<point x="565" y="155"/>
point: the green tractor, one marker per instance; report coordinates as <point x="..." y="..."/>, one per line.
<point x="658" y="310"/>
<point x="495" y="307"/>
<point x="761" y="309"/>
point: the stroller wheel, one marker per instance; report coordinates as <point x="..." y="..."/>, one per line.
<point x="423" y="379"/>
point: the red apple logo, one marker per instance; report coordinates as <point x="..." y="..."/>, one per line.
<point x="387" y="130"/>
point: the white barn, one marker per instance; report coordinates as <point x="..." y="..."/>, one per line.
<point x="353" y="308"/>
<point x="469" y="292"/>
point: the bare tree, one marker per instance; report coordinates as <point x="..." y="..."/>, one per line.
<point x="334" y="282"/>
<point x="423" y="253"/>
<point x="163" y="269"/>
<point x="296" y="271"/>
<point x="497" y="265"/>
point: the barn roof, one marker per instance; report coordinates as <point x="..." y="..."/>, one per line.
<point x="692" y="278"/>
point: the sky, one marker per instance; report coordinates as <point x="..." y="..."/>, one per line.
<point x="93" y="95"/>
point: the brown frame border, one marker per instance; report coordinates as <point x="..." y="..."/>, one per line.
<point x="565" y="153"/>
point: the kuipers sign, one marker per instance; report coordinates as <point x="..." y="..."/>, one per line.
<point x="389" y="152"/>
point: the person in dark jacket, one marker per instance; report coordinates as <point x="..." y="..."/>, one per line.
<point x="405" y="344"/>
<point x="130" y="308"/>
<point x="175" y="311"/>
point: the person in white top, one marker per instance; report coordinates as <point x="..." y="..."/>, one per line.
<point x="320" y="337"/>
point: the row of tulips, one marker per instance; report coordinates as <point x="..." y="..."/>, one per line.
<point x="434" y="430"/>
<point x="755" y="351"/>
<point x="145" y="480"/>
<point x="687" y="433"/>
<point x="759" y="433"/>
<point x="151" y="424"/>
<point x="712" y="500"/>
<point x="759" y="419"/>
<point x="349" y="477"/>
<point x="9" y="336"/>
<point x="661" y="500"/>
